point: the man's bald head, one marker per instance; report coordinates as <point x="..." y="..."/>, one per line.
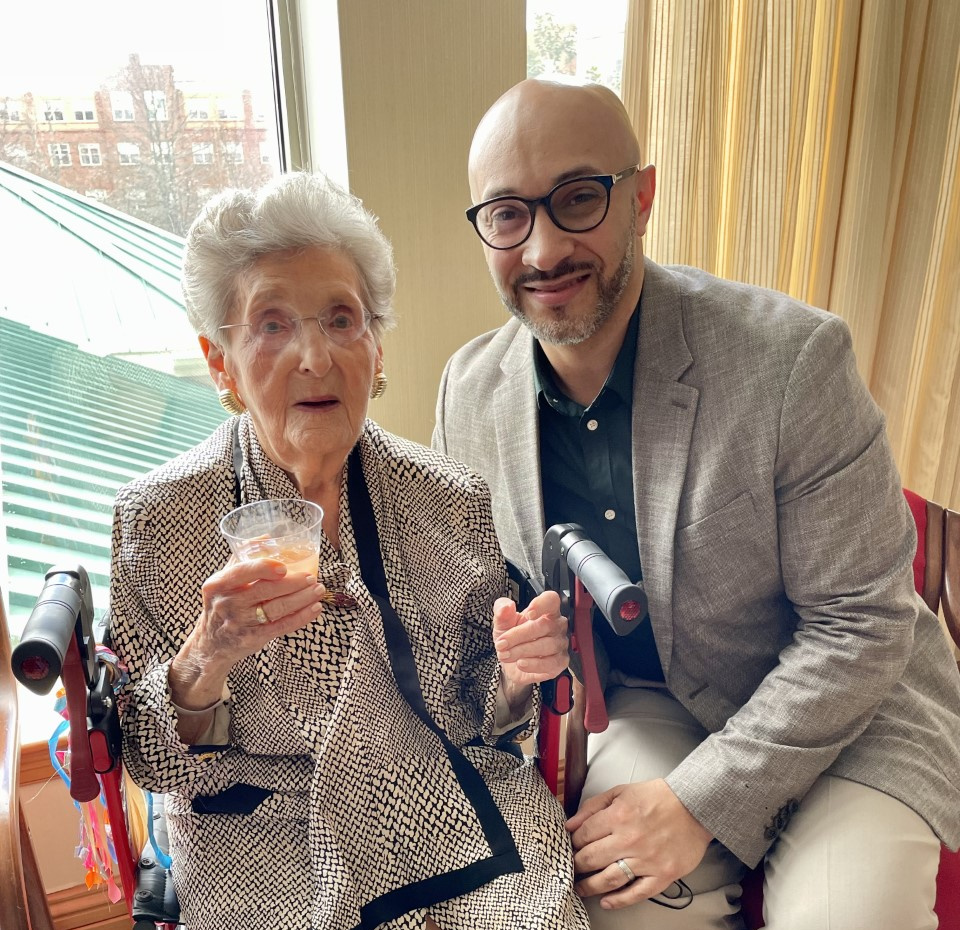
<point x="588" y="122"/>
<point x="571" y="148"/>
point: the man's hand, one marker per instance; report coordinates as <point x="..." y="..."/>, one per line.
<point x="643" y="824"/>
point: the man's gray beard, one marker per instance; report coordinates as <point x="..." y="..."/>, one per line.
<point x="571" y="332"/>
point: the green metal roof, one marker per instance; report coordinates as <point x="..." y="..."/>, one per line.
<point x="77" y="421"/>
<point x="82" y="271"/>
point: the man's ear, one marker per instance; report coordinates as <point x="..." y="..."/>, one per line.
<point x="216" y="364"/>
<point x="646" y="189"/>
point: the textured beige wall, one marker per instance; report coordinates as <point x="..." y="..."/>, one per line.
<point x="417" y="77"/>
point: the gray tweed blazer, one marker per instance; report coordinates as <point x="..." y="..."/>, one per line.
<point x="776" y="547"/>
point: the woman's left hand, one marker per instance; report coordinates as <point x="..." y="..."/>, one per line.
<point x="532" y="645"/>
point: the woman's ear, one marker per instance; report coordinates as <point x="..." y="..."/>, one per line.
<point x="216" y="364"/>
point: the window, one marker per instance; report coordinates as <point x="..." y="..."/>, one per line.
<point x="575" y="41"/>
<point x="9" y="111"/>
<point x="203" y="153"/>
<point x="121" y="102"/>
<point x="229" y="108"/>
<point x="83" y="111"/>
<point x="198" y="108"/>
<point x="53" y="111"/>
<point x="163" y="153"/>
<point x="89" y="153"/>
<point x="59" y="154"/>
<point x="129" y="153"/>
<point x="266" y="153"/>
<point x="101" y="377"/>
<point x="233" y="153"/>
<point x="156" y="103"/>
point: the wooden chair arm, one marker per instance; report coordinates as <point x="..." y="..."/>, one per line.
<point x="23" y="902"/>
<point x="13" y="891"/>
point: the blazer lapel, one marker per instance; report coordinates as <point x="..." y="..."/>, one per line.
<point x="664" y="411"/>
<point x="517" y="420"/>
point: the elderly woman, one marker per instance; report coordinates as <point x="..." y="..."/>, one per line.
<point x="330" y="761"/>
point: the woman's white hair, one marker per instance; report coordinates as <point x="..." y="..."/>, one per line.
<point x="295" y="210"/>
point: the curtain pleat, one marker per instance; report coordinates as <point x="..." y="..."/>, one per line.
<point x="812" y="146"/>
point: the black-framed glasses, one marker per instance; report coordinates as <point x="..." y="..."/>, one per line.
<point x="574" y="206"/>
<point x="274" y="330"/>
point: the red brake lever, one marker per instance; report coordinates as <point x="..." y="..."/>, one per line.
<point x="595" y="718"/>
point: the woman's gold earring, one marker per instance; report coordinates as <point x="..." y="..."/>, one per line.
<point x="379" y="385"/>
<point x="230" y="402"/>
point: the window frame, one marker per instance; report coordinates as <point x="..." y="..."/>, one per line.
<point x="202" y="153"/>
<point x="128" y="154"/>
<point x="59" y="153"/>
<point x="53" y="111"/>
<point x="155" y="102"/>
<point x="118" y="106"/>
<point x="84" y="111"/>
<point x="232" y="153"/>
<point x="87" y="149"/>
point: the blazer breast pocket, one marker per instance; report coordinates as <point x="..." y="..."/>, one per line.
<point x="725" y="560"/>
<point x="713" y="528"/>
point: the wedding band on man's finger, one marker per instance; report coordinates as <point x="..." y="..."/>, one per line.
<point x="261" y="615"/>
<point x="627" y="871"/>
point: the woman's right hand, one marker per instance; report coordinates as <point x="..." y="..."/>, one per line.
<point x="229" y="628"/>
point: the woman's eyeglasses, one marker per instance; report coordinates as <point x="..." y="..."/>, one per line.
<point x="274" y="330"/>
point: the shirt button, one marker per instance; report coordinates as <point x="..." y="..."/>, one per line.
<point x="592" y="425"/>
<point x="610" y="514"/>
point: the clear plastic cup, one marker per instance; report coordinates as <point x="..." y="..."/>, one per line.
<point x="288" y="530"/>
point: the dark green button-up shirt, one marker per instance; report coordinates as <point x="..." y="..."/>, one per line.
<point x="586" y="464"/>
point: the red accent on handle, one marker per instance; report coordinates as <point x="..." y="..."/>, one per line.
<point x="84" y="785"/>
<point x="126" y="860"/>
<point x="595" y="718"/>
<point x="35" y="668"/>
<point x="100" y="747"/>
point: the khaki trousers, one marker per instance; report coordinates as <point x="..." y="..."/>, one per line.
<point x="851" y="858"/>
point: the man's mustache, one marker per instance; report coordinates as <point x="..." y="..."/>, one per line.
<point x="565" y="267"/>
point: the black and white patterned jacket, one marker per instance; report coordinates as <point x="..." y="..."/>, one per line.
<point x="334" y="806"/>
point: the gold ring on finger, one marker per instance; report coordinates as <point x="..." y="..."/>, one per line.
<point x="261" y="614"/>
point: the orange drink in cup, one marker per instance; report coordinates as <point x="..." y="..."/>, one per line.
<point x="287" y="529"/>
<point x="297" y="557"/>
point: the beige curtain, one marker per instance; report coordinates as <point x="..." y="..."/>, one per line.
<point x="813" y="146"/>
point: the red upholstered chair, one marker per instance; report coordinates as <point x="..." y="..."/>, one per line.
<point x="948" y="878"/>
<point x="928" y="568"/>
<point x="950" y="592"/>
